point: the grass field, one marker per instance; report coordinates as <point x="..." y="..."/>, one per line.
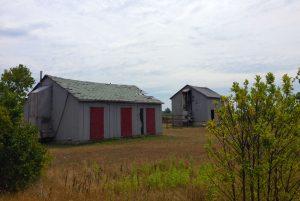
<point x="168" y="167"/>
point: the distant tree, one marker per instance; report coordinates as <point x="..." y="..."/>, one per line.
<point x="14" y="85"/>
<point x="298" y="78"/>
<point x="255" y="142"/>
<point x="22" y="157"/>
<point x="167" y="111"/>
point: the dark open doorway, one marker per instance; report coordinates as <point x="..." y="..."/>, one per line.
<point x="142" y="120"/>
<point x="212" y="114"/>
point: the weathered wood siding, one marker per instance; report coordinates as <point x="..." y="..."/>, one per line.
<point x="201" y="105"/>
<point x="112" y="118"/>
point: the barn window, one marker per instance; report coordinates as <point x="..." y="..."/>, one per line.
<point x="187" y="98"/>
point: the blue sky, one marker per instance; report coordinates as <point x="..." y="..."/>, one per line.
<point x="157" y="45"/>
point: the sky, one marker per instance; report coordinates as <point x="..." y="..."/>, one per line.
<point x="158" y="45"/>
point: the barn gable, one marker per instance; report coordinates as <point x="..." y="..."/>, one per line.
<point x="203" y="90"/>
<point x="194" y="105"/>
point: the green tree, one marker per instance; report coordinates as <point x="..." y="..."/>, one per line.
<point x="18" y="80"/>
<point x="14" y="85"/>
<point x="298" y="75"/>
<point x="22" y="157"/>
<point x="298" y="96"/>
<point x="255" y="142"/>
<point x="167" y="111"/>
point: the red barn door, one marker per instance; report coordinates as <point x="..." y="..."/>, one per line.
<point x="150" y="120"/>
<point x="126" y="122"/>
<point x="96" y="123"/>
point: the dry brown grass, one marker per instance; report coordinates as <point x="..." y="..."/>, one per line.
<point x="86" y="172"/>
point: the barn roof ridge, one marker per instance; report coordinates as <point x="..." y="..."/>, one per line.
<point x="91" y="82"/>
<point x="94" y="91"/>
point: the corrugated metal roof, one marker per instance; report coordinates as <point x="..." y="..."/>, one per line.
<point x="203" y="90"/>
<point x="207" y="92"/>
<point x="92" y="91"/>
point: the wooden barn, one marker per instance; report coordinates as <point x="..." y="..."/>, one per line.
<point x="72" y="110"/>
<point x="194" y="105"/>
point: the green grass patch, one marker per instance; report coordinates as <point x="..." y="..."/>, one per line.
<point x="164" y="175"/>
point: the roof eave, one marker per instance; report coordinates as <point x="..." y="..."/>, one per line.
<point x="179" y="91"/>
<point x="114" y="101"/>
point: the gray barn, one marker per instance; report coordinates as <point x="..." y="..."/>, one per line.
<point x="71" y="110"/>
<point x="194" y="105"/>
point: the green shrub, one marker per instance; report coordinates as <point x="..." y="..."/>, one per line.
<point x="5" y="124"/>
<point x="22" y="157"/>
<point x="255" y="141"/>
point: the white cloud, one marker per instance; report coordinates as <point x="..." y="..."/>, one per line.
<point x="157" y="45"/>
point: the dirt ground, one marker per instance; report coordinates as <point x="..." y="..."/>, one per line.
<point x="179" y="142"/>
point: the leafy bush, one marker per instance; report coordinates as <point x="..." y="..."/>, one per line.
<point x="22" y="157"/>
<point x="255" y="142"/>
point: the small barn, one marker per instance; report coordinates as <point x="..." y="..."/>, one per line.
<point x="194" y="105"/>
<point x="72" y="110"/>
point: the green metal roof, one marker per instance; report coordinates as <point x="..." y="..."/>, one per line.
<point x="92" y="91"/>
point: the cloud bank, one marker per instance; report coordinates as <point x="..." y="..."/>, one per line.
<point x="158" y="45"/>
